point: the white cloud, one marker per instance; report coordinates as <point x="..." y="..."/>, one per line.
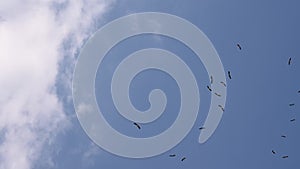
<point x="89" y="153"/>
<point x="31" y="38"/>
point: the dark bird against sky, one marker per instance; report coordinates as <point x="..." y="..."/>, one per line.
<point x="290" y="60"/>
<point x="201" y="128"/>
<point x="229" y="74"/>
<point x="293" y="120"/>
<point x="183" y="158"/>
<point x="137" y="125"/>
<point x="239" y="46"/>
<point x="172" y="155"/>
<point x="291" y="104"/>
<point x="217" y="94"/>
<point x="285" y="156"/>
<point x="221" y="107"/>
<point x="223" y="84"/>
<point x="208" y="88"/>
<point x="273" y="152"/>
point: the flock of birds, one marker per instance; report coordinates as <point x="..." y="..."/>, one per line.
<point x="291" y="120"/>
<point x="222" y="108"/>
<point x="138" y="126"/>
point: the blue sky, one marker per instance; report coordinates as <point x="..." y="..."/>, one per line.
<point x="257" y="109"/>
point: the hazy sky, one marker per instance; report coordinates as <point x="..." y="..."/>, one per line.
<point x="40" y="43"/>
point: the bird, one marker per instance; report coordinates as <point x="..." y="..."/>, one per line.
<point x="239" y="46"/>
<point x="137" y="125"/>
<point x="201" y="128"/>
<point x="291" y="104"/>
<point x="217" y="94"/>
<point x="172" y="155"/>
<point x="223" y="84"/>
<point x="229" y="74"/>
<point x="211" y="79"/>
<point x="208" y="88"/>
<point x="285" y="156"/>
<point x="293" y="120"/>
<point x="183" y="158"/>
<point x="290" y="60"/>
<point x="299" y="91"/>
<point x="283" y="136"/>
<point x="221" y="108"/>
<point x="273" y="152"/>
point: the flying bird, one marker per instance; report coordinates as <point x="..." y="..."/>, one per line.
<point x="273" y="152"/>
<point x="223" y="84"/>
<point x="290" y="60"/>
<point x="201" y="128"/>
<point x="217" y="94"/>
<point x="137" y="125"/>
<point x="291" y="104"/>
<point x="208" y="88"/>
<point x="299" y="91"/>
<point x="183" y="158"/>
<point x="283" y="136"/>
<point x="293" y="120"/>
<point x="229" y="74"/>
<point x="172" y="155"/>
<point x="285" y="156"/>
<point x="239" y="46"/>
<point x="221" y="108"/>
<point x="211" y="80"/>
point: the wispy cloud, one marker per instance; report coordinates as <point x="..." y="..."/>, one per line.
<point x="31" y="39"/>
<point x="88" y="159"/>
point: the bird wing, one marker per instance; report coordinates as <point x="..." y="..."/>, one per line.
<point x="217" y="94"/>
<point x="229" y="75"/>
<point x="223" y="84"/>
<point x="137" y="125"/>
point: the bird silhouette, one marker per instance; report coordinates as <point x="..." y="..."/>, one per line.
<point x="229" y="74"/>
<point x="211" y="79"/>
<point x="137" y="125"/>
<point x="183" y="158"/>
<point x="293" y="120"/>
<point x="290" y="60"/>
<point x="223" y="84"/>
<point x="273" y="152"/>
<point x="221" y="108"/>
<point x="299" y="91"/>
<point x="239" y="46"/>
<point x="217" y="94"/>
<point x="291" y="104"/>
<point x="172" y="155"/>
<point x="208" y="88"/>
<point x="201" y="128"/>
<point x="284" y="156"/>
<point x="283" y="136"/>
